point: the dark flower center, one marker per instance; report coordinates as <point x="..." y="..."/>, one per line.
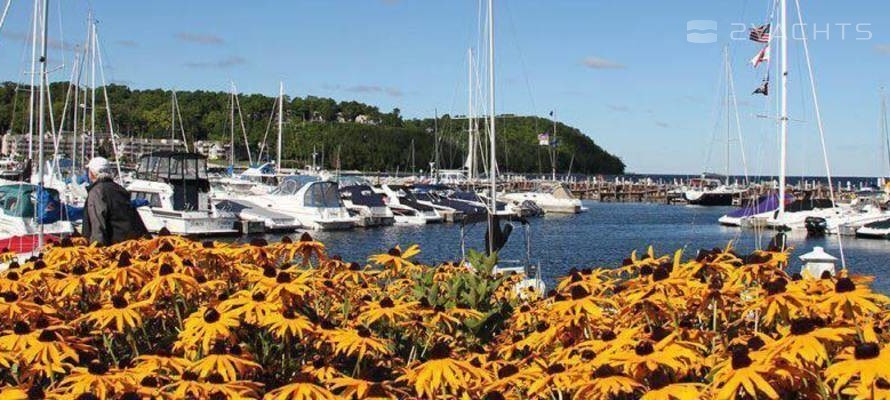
<point x="844" y="285"/>
<point x="644" y="348"/>
<point x="189" y="376"/>
<point x="354" y="267"/>
<point x="659" y="333"/>
<point x="645" y="270"/>
<point x="305" y="237"/>
<point x="756" y="343"/>
<point x="13" y="276"/>
<point x="542" y="326"/>
<point x="166" y="248"/>
<point x="658" y="379"/>
<point x="215" y="378"/>
<point x="87" y="396"/>
<point x="269" y="272"/>
<point x="364" y="332"/>
<point x="40" y="264"/>
<point x="588" y="355"/>
<point x="207" y="244"/>
<point x="387" y="303"/>
<point x="150" y="381"/>
<point x="283" y="277"/>
<point x="776" y="286"/>
<point x="286" y="240"/>
<point x="555" y="369"/>
<point x="439" y="351"/>
<point x="660" y="274"/>
<point x="608" y="336"/>
<point x="882" y="383"/>
<point x="867" y="351"/>
<point x="9" y="297"/>
<point x="211" y="315"/>
<point x="21" y="328"/>
<point x="219" y="348"/>
<point x="79" y="270"/>
<point x="123" y="260"/>
<point x="119" y="302"/>
<point x="394" y="252"/>
<point x="35" y="392"/>
<point x="47" y="337"/>
<point x="97" y="368"/>
<point x="525" y="308"/>
<point x="605" y="371"/>
<point x="579" y="292"/>
<point x="259" y="242"/>
<point x="740" y="358"/>
<point x="258" y="296"/>
<point x="165" y="269"/>
<point x="130" y="396"/>
<point x="802" y="326"/>
<point x="289" y="314"/>
<point x="507" y="371"/>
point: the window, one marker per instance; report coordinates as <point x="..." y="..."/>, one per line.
<point x="322" y="194"/>
<point x="154" y="199"/>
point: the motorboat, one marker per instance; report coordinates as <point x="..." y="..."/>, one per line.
<point x="857" y="215"/>
<point x="795" y="215"/>
<point x="706" y="191"/>
<point x="405" y="208"/>
<point x="175" y="188"/>
<point x="366" y="205"/>
<point x="875" y="230"/>
<point x="313" y="204"/>
<point x="24" y="209"/>
<point x="553" y="198"/>
<point x="438" y="196"/>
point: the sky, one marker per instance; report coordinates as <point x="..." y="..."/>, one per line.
<point x="623" y="72"/>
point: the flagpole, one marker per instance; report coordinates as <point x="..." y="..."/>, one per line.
<point x="492" y="173"/>
<point x="783" y="134"/>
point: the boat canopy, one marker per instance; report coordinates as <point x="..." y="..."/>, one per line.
<point x="322" y="195"/>
<point x="762" y="205"/>
<point x="172" y="166"/>
<point x="362" y="195"/>
<point x="23" y="201"/>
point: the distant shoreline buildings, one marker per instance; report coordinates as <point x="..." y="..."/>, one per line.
<point x="128" y="148"/>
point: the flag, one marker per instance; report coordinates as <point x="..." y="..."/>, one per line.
<point x="762" y="56"/>
<point x="544" y="139"/>
<point x="760" y="34"/>
<point x="551" y="113"/>
<point x="763" y="89"/>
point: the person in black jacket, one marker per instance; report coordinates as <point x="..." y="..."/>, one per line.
<point x="110" y="217"/>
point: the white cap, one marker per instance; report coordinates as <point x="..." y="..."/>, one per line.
<point x="99" y="165"/>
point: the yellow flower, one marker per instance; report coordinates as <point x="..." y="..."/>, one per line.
<point x="396" y="259"/>
<point x="300" y="391"/>
<point x="118" y="315"/>
<point x="866" y="367"/>
<point x="442" y="375"/>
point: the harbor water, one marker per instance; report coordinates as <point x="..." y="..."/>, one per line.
<point x="602" y="237"/>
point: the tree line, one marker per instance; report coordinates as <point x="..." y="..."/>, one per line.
<point x="346" y="135"/>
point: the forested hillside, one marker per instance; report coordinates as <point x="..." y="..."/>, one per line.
<point x="347" y="134"/>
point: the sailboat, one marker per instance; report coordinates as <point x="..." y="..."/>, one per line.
<point x="497" y="235"/>
<point x="794" y="216"/>
<point x="711" y="190"/>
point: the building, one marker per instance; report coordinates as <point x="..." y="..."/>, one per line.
<point x="128" y="148"/>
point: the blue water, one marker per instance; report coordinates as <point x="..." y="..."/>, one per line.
<point x="602" y="237"/>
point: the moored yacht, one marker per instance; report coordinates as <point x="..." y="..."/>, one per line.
<point x="711" y="192"/>
<point x="406" y="209"/>
<point x="313" y="203"/>
<point x="175" y="187"/>
<point x="553" y="199"/>
<point x="366" y="205"/>
<point x="21" y="218"/>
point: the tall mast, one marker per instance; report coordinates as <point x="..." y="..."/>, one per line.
<point x="471" y="121"/>
<point x="885" y="135"/>
<point x="31" y="103"/>
<point x="172" y="119"/>
<point x="492" y="126"/>
<point x="280" y="123"/>
<point x="41" y="121"/>
<point x="783" y="134"/>
<point x="232" y="127"/>
<point x="553" y="146"/>
<point x="726" y="100"/>
<point x="92" y="86"/>
<point x="5" y="13"/>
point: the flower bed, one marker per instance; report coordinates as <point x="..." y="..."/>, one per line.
<point x="174" y="318"/>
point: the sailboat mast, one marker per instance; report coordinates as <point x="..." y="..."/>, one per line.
<point x="783" y="134"/>
<point x="92" y="87"/>
<point x="471" y="119"/>
<point x="553" y="147"/>
<point x="280" y="124"/>
<point x="232" y="126"/>
<point x="492" y="125"/>
<point x="34" y="24"/>
<point x="172" y="119"/>
<point x="885" y="135"/>
<point x="41" y="120"/>
<point x="726" y="71"/>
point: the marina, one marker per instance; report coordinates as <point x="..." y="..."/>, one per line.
<point x="168" y="233"/>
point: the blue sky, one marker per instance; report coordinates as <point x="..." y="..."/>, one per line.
<point x="621" y="71"/>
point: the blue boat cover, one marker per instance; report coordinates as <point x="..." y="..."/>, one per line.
<point x="762" y="205"/>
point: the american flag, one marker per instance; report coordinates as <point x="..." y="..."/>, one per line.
<point x="760" y="34"/>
